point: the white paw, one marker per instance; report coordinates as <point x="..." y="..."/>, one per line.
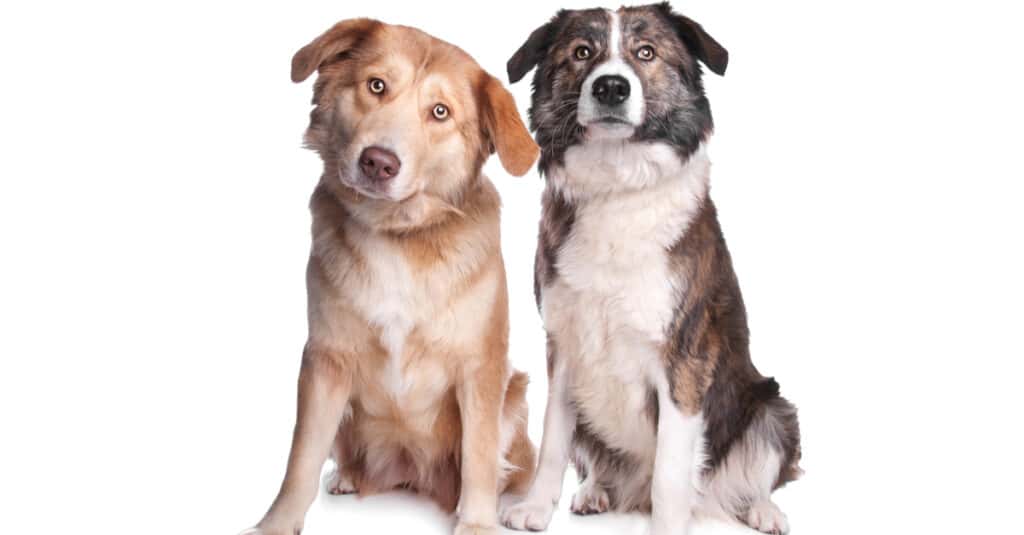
<point x="766" y="517"/>
<point x="475" y="529"/>
<point x="532" y="515"/>
<point x="338" y="483"/>
<point x="590" y="500"/>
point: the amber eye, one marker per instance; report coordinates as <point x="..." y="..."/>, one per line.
<point x="646" y="53"/>
<point x="582" y="53"/>
<point x="377" y="86"/>
<point x="440" y="112"/>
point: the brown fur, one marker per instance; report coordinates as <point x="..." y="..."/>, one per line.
<point x="709" y="356"/>
<point x="705" y="351"/>
<point x="437" y="412"/>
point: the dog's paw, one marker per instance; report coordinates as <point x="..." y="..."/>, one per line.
<point x="529" y="515"/>
<point x="590" y="500"/>
<point x="475" y="529"/>
<point x="339" y="484"/>
<point x="766" y="517"/>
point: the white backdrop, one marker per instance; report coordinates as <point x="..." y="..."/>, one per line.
<point x="154" y="233"/>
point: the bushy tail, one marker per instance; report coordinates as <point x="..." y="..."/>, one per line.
<point x="765" y="458"/>
<point x="520" y="459"/>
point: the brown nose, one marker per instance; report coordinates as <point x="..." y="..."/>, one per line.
<point x="379" y="164"/>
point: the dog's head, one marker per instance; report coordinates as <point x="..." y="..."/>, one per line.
<point x="404" y="119"/>
<point x="630" y="75"/>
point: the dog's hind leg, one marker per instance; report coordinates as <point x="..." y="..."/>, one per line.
<point x="591" y="497"/>
<point x="340" y="483"/>
<point x="762" y="460"/>
<point x="610" y="480"/>
<point x="340" y="480"/>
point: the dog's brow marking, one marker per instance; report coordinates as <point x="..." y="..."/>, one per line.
<point x="615" y="35"/>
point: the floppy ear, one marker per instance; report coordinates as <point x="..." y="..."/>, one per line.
<point x="531" y="53"/>
<point x="698" y="41"/>
<point x="342" y="37"/>
<point x="504" y="129"/>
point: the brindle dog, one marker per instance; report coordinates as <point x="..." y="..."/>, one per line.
<point x="653" y="394"/>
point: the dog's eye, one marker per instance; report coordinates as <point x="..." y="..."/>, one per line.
<point x="582" y="53"/>
<point x="440" y="112"/>
<point x="377" y="86"/>
<point x="646" y="53"/>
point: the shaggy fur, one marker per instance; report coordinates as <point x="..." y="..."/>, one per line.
<point x="405" y="379"/>
<point x="654" y="396"/>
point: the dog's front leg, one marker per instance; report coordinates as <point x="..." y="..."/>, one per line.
<point x="673" y="491"/>
<point x="480" y="393"/>
<point x="534" y="512"/>
<point x="324" y="388"/>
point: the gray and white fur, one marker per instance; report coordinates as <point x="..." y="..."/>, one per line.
<point x="653" y="396"/>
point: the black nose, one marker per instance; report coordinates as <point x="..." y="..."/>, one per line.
<point x="611" y="90"/>
<point x="379" y="164"/>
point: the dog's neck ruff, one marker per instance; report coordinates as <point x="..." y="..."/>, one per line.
<point x="604" y="167"/>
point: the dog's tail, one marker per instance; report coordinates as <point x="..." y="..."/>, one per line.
<point x="519" y="454"/>
<point x="764" y="458"/>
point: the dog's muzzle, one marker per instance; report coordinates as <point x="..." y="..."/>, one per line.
<point x="611" y="90"/>
<point x="612" y="101"/>
<point x="378" y="164"/>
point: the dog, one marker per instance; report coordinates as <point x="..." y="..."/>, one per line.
<point x="653" y="395"/>
<point x="404" y="379"/>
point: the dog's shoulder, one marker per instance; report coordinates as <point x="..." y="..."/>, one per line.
<point x="556" y="221"/>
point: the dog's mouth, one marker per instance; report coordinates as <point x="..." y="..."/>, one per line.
<point x="373" y="190"/>
<point x="611" y="120"/>
<point x="388" y="192"/>
<point x="610" y="127"/>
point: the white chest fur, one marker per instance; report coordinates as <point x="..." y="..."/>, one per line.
<point x="395" y="300"/>
<point x="388" y="305"/>
<point x="422" y="315"/>
<point x="616" y="293"/>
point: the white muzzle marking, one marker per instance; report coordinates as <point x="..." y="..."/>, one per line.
<point x="590" y="111"/>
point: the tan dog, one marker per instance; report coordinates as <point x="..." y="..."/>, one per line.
<point x="405" y="380"/>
